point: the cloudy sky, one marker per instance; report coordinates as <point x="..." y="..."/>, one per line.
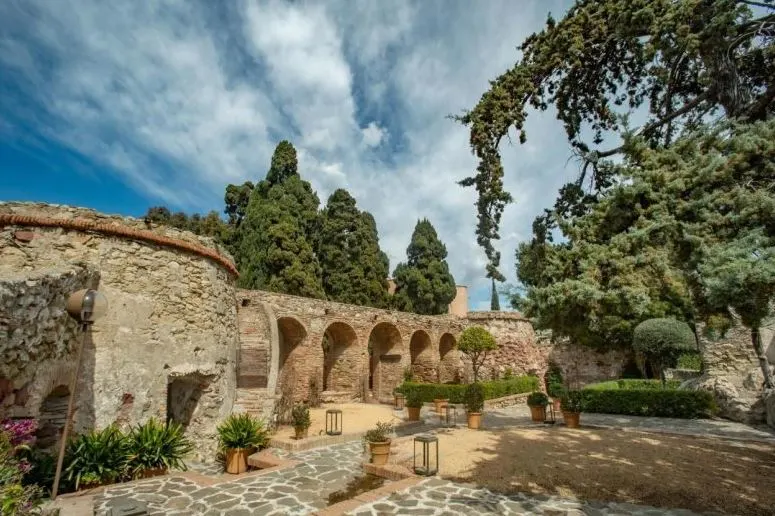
<point x="118" y="106"/>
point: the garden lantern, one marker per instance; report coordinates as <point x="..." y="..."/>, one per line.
<point x="549" y="417"/>
<point x="430" y="449"/>
<point x="85" y="306"/>
<point x="333" y="422"/>
<point x="448" y="415"/>
<point x="399" y="401"/>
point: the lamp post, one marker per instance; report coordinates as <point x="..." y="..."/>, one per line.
<point x="85" y="306"/>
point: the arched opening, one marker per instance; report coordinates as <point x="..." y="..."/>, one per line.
<point x="385" y="372"/>
<point x="291" y="335"/>
<point x="422" y="360"/>
<point x="341" y="360"/>
<point x="449" y="360"/>
<point x="52" y="416"/>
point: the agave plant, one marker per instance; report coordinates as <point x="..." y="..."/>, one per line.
<point x="242" y="431"/>
<point x="156" y="445"/>
<point x="99" y="456"/>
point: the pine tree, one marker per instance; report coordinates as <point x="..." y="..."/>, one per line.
<point x="495" y="303"/>
<point x="424" y="284"/>
<point x="354" y="269"/>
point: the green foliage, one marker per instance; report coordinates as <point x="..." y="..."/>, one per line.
<point x="572" y="401"/>
<point x="650" y="402"/>
<point x="155" y="445"/>
<point x="414" y="397"/>
<point x="424" y="284"/>
<point x="681" y="60"/>
<point x="354" y="268"/>
<point x="15" y="497"/>
<point x="211" y="225"/>
<point x="379" y="434"/>
<point x="537" y="399"/>
<point x="240" y="431"/>
<point x="476" y="342"/>
<point x="98" y="456"/>
<point x="495" y="302"/>
<point x="553" y="381"/>
<point x="300" y="417"/>
<point x="692" y="361"/>
<point x="284" y="164"/>
<point x="661" y="341"/>
<point x="508" y="373"/>
<point x="408" y="374"/>
<point x="455" y="393"/>
<point x="632" y="384"/>
<point x="474" y="398"/>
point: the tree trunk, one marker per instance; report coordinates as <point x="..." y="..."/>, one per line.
<point x="756" y="339"/>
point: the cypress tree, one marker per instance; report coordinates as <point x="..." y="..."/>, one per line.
<point x="495" y="303"/>
<point x="424" y="284"/>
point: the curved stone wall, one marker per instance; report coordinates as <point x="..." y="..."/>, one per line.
<point x="170" y="333"/>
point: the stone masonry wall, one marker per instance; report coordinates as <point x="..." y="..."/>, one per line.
<point x="172" y="313"/>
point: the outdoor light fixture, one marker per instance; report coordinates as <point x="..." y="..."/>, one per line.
<point x="428" y="467"/>
<point x="399" y="401"/>
<point x="333" y="422"/>
<point x="549" y="417"/>
<point x="448" y="415"/>
<point x="85" y="306"/>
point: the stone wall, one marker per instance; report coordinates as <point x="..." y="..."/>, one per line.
<point x="582" y="365"/>
<point x="517" y="350"/>
<point x="172" y="315"/>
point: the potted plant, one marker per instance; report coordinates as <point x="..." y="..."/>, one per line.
<point x="301" y="420"/>
<point x="555" y="391"/>
<point x="474" y="400"/>
<point x="97" y="458"/>
<point x="572" y="405"/>
<point x="239" y="436"/>
<point x="154" y="448"/>
<point x="413" y="405"/>
<point x="378" y="439"/>
<point x="439" y="403"/>
<point x="537" y="402"/>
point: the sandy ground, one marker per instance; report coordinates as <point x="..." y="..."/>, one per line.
<point x="356" y="417"/>
<point x="701" y="474"/>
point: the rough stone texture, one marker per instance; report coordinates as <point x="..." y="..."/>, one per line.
<point x="172" y="318"/>
<point x="517" y="348"/>
<point x="769" y="403"/>
<point x="732" y="373"/>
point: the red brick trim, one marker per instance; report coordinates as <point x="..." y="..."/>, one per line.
<point x="118" y="231"/>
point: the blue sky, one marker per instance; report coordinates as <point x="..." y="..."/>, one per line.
<point x="119" y="106"/>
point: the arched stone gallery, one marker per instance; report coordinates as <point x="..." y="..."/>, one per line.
<point x="449" y="359"/>
<point x="342" y="365"/>
<point x="422" y="358"/>
<point x="385" y="370"/>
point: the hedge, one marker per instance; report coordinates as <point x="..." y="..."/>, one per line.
<point x="650" y="402"/>
<point x="456" y="392"/>
<point x="631" y="384"/>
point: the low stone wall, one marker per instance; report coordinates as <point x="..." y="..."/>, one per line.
<point x="506" y="401"/>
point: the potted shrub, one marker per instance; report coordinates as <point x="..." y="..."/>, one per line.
<point x="413" y="405"/>
<point x="537" y="402"/>
<point x="555" y="391"/>
<point x="474" y="400"/>
<point x="97" y="458"/>
<point x="571" y="405"/>
<point x="439" y="403"/>
<point x="301" y="420"/>
<point x="239" y="436"/>
<point x="378" y="439"/>
<point x="154" y="448"/>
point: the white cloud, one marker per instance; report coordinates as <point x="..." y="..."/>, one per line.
<point x="181" y="98"/>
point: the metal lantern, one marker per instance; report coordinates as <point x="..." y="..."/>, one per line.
<point x="428" y="467"/>
<point x="549" y="417"/>
<point x="399" y="401"/>
<point x="448" y="415"/>
<point x="333" y="422"/>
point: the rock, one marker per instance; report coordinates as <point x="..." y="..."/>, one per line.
<point x="769" y="403"/>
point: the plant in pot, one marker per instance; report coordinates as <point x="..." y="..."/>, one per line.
<point x="572" y="404"/>
<point x="378" y="439"/>
<point x="474" y="400"/>
<point x="96" y="458"/>
<point x="439" y="402"/>
<point x="301" y="420"/>
<point x="240" y="435"/>
<point x="555" y="391"/>
<point x="155" y="447"/>
<point x="537" y="402"/>
<point x="413" y="405"/>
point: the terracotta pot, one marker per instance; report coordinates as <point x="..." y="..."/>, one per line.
<point x="301" y="433"/>
<point x="556" y="403"/>
<point x="538" y="414"/>
<point x="379" y="452"/>
<point x="440" y="403"/>
<point x="153" y="472"/>
<point x="413" y="413"/>
<point x="237" y="460"/>
<point x="474" y="420"/>
<point x="399" y="401"/>
<point x="571" y="419"/>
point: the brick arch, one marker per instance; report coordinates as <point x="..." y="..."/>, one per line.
<point x="341" y="358"/>
<point x="385" y="346"/>
<point x="291" y="338"/>
<point x="449" y="358"/>
<point x="422" y="357"/>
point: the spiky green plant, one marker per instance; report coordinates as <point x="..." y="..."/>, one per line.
<point x="155" y="445"/>
<point x="99" y="456"/>
<point x="242" y="431"/>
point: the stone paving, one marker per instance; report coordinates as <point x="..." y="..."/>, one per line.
<point x="436" y="497"/>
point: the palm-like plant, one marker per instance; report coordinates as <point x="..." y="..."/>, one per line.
<point x="99" y="456"/>
<point x="155" y="445"/>
<point x="240" y="431"/>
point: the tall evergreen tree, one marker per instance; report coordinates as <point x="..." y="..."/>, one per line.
<point x="275" y="237"/>
<point x="354" y="268"/>
<point x="495" y="303"/>
<point x="424" y="284"/>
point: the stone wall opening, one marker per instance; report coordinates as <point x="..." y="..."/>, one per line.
<point x="449" y="360"/>
<point x="423" y="363"/>
<point x="52" y="417"/>
<point x="292" y="335"/>
<point x="385" y="372"/>
<point x="341" y="359"/>
<point x="183" y="396"/>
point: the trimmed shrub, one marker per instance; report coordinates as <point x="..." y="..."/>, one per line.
<point x="474" y="398"/>
<point x="572" y="401"/>
<point x="553" y="381"/>
<point x="617" y="385"/>
<point x="649" y="402"/>
<point x="662" y="341"/>
<point x="455" y="393"/>
<point x="537" y="399"/>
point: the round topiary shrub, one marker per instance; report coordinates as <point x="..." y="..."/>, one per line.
<point x="662" y="341"/>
